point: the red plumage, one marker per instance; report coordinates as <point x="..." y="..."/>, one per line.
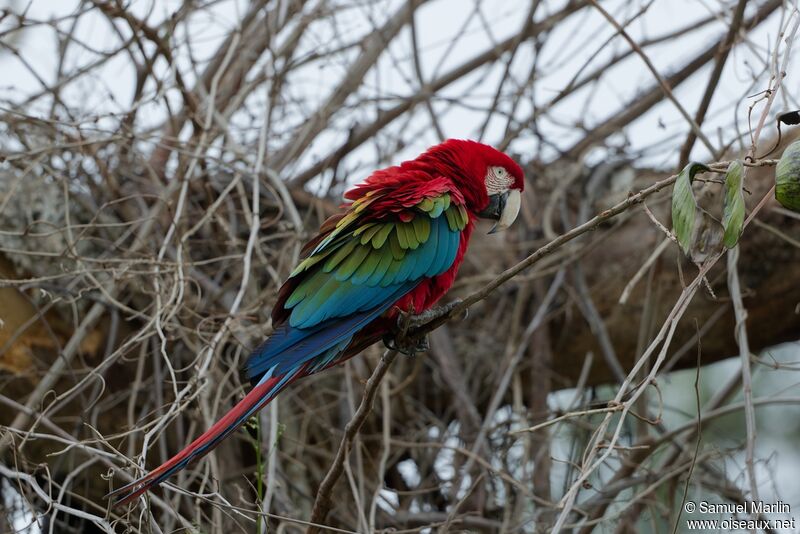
<point x="457" y="167"/>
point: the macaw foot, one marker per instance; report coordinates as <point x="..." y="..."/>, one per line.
<point x="407" y="323"/>
<point x="409" y="347"/>
<point x="415" y="321"/>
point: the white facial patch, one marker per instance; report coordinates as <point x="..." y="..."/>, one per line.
<point x="498" y="180"/>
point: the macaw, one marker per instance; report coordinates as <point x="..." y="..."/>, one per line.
<point x="396" y="246"/>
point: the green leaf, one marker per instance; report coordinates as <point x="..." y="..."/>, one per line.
<point x="684" y="205"/>
<point x="733" y="212"/>
<point x="787" y="178"/>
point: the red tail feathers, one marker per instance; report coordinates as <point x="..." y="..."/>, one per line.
<point x="257" y="398"/>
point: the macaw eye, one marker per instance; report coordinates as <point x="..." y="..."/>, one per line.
<point x="498" y="179"/>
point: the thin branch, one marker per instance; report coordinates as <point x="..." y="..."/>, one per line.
<point x="713" y="80"/>
<point x="323" y="500"/>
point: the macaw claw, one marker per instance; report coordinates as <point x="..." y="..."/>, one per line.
<point x="409" y="347"/>
<point x="416" y="321"/>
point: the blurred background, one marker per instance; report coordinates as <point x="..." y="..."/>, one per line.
<point x="146" y="143"/>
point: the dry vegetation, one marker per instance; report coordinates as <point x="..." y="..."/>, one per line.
<point x="142" y="242"/>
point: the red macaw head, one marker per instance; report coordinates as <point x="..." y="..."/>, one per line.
<point x="491" y="182"/>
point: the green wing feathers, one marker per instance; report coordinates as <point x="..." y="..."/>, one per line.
<point x="356" y="263"/>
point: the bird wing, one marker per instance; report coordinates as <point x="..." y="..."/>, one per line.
<point x="384" y="245"/>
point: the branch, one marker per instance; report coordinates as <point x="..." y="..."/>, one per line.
<point x="323" y="502"/>
<point x="362" y="134"/>
<point x="445" y="314"/>
<point x="713" y="80"/>
<point x="652" y="96"/>
<point x="661" y="81"/>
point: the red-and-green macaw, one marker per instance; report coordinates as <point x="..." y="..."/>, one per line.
<point x="397" y="245"/>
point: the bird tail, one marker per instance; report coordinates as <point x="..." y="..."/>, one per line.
<point x="257" y="398"/>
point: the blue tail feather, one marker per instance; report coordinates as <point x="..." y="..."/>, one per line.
<point x="288" y="348"/>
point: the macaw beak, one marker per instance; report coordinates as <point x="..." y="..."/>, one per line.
<point x="503" y="208"/>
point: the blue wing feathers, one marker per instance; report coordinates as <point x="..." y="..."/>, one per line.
<point x="391" y="273"/>
<point x="407" y="265"/>
<point x="380" y="271"/>
<point x="363" y="272"/>
<point x="327" y="309"/>
<point x="288" y="348"/>
<point x="455" y="241"/>
<point x="442" y="249"/>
